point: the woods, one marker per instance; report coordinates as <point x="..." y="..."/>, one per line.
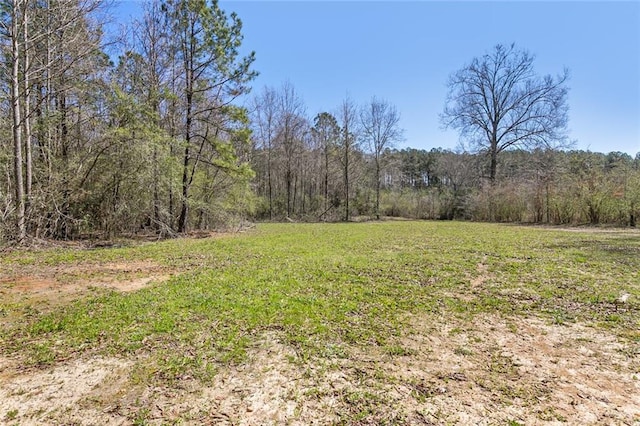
<point x="151" y="140"/>
<point x="165" y="136"/>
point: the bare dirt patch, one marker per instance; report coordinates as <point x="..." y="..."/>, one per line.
<point x="522" y="370"/>
<point x="482" y="270"/>
<point x="55" y="282"/>
<point x="264" y="390"/>
<point x="490" y="371"/>
<point x="58" y="395"/>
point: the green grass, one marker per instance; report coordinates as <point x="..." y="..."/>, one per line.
<point x="325" y="289"/>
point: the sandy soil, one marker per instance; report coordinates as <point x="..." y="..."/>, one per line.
<point x="490" y="372"/>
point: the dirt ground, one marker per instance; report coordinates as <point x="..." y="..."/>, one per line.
<point x="491" y="371"/>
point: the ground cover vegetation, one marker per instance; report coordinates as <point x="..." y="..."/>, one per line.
<point x="160" y="134"/>
<point x="391" y="322"/>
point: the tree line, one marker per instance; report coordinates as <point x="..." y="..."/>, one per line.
<point x="544" y="186"/>
<point x="167" y="138"/>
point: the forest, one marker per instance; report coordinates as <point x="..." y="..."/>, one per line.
<point x="167" y="136"/>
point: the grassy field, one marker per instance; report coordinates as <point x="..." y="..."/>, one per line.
<point x="365" y="323"/>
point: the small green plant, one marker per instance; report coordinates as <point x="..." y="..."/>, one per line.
<point x="11" y="414"/>
<point x="397" y="350"/>
<point x="462" y="351"/>
<point x="141" y="417"/>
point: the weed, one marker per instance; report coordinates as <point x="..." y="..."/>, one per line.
<point x="550" y="414"/>
<point x="11" y="415"/>
<point x="141" y="417"/>
<point x="462" y="351"/>
<point x="397" y="350"/>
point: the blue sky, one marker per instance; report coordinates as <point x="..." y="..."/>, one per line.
<point x="404" y="52"/>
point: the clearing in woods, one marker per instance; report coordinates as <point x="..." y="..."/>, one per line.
<point x="367" y="323"/>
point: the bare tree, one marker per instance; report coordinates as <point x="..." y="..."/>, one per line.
<point x="347" y="116"/>
<point x="265" y="128"/>
<point x="18" y="10"/>
<point x="497" y="102"/>
<point x="292" y="125"/>
<point x="380" y="129"/>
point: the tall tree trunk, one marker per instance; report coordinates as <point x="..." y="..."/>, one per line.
<point x="377" y="186"/>
<point x="188" y="51"/>
<point x="156" y="195"/>
<point x="172" y="135"/>
<point x="303" y="194"/>
<point x="346" y="183"/>
<point x="47" y="99"/>
<point x="156" y="171"/>
<point x="548" y="205"/>
<point x="288" y="182"/>
<point x="63" y="230"/>
<point x="346" y="173"/>
<point x="269" y="181"/>
<point x="17" y="124"/>
<point x="27" y="114"/>
<point x="493" y="162"/>
<point x="295" y="194"/>
<point x="492" y="177"/>
<point x="326" y="179"/>
<point x="184" y="210"/>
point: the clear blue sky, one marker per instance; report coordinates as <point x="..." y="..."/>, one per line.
<point x="404" y="52"/>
